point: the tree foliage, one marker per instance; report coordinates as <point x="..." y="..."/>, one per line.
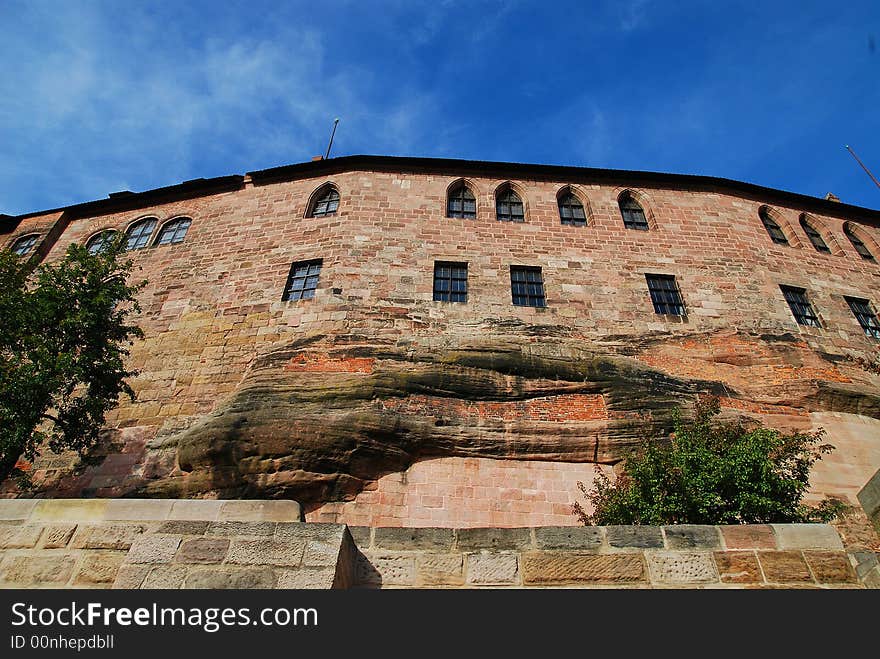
<point x="64" y="332"/>
<point x="711" y="472"/>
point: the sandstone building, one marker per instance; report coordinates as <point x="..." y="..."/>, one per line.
<point x="446" y="343"/>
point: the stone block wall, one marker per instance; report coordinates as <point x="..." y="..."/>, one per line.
<point x="756" y="556"/>
<point x="165" y="544"/>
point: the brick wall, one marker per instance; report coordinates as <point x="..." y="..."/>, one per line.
<point x="213" y="303"/>
<point x="468" y="492"/>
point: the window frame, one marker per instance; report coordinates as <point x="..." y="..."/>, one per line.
<point x="509" y="216"/>
<point x="455" y="270"/>
<point x="165" y="226"/>
<point x="771" y="225"/>
<point x="797" y="306"/>
<point x="856" y="241"/>
<point x="327" y="191"/>
<point x="562" y="201"/>
<point x="457" y="193"/>
<point x="293" y="276"/>
<point x="34" y="239"/>
<point x="147" y="238"/>
<point x="665" y="294"/>
<point x="866" y="317"/>
<point x="528" y="295"/>
<point x="93" y="246"/>
<point x="629" y="197"/>
<point x="817" y="240"/>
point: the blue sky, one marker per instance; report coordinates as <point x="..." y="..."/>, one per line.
<point x="98" y="96"/>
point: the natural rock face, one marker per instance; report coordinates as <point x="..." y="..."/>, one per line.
<point x="316" y="422"/>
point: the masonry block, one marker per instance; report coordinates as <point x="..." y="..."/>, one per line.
<point x="267" y="552"/>
<point x="680" y="567"/>
<point x="738" y="567"/>
<point x="634" y="537"/>
<point x="20" y="537"/>
<point x="830" y="567"/>
<point x="807" y="536"/>
<point x="242" y="529"/>
<point x="36" y="571"/>
<point x="385" y="570"/>
<point x="748" y="536"/>
<point x="440" y="569"/>
<point x="413" y="538"/>
<point x="202" y="550"/>
<point x="307" y="578"/>
<point x="784" y="567"/>
<point x="99" y="569"/>
<point x="231" y="578"/>
<point x="569" y="537"/>
<point x="560" y="568"/>
<point x="165" y="577"/>
<point x="57" y="536"/>
<point x="110" y="536"/>
<point x="494" y="538"/>
<point x="153" y="549"/>
<point x="688" y="536"/>
<point x="493" y="568"/>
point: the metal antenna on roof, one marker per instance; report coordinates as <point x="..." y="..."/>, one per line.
<point x="867" y="171"/>
<point x="335" y="121"/>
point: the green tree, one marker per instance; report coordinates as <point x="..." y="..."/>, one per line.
<point x="64" y="332"/>
<point x="710" y="472"/>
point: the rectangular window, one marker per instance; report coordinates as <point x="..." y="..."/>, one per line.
<point x="865" y="315"/>
<point x="800" y="306"/>
<point x="665" y="295"/>
<point x="450" y="282"/>
<point x="302" y="280"/>
<point x="527" y="286"/>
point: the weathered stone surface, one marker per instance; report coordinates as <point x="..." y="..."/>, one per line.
<point x="20" y="537"/>
<point x="16" y="509"/>
<point x="202" y="550"/>
<point x="109" y="536"/>
<point x="231" y="578"/>
<point x="493" y="568"/>
<point x="784" y="566"/>
<point x="869" y="497"/>
<point x="385" y="570"/>
<point x="679" y="567"/>
<point x="129" y="576"/>
<point x="183" y="527"/>
<point x="137" y="510"/>
<point x="361" y="535"/>
<point x="266" y="552"/>
<point x="413" y="538"/>
<point x="830" y="567"/>
<point x="318" y="553"/>
<point x="738" y="567"/>
<point x="864" y="561"/>
<point x="807" y="536"/>
<point x="165" y="577"/>
<point x="57" y="536"/>
<point x="748" y="536"/>
<point x="261" y="511"/>
<point x="309" y="531"/>
<point x="153" y="549"/>
<point x="440" y="569"/>
<point x="195" y="510"/>
<point x="99" y="568"/>
<point x="69" y="510"/>
<point x="687" y="536"/>
<point x="634" y="537"/>
<point x="489" y="538"/>
<point x="558" y="568"/>
<point x="569" y="537"/>
<point x="36" y="570"/>
<point x="255" y="529"/>
<point x="315" y="578"/>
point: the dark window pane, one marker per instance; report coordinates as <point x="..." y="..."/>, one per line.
<point x="450" y="282"/>
<point x="302" y="280"/>
<point x="24" y="245"/>
<point x="857" y="242"/>
<point x="526" y="286"/>
<point x="800" y="306"/>
<point x="814" y="236"/>
<point x="776" y="233"/>
<point x="139" y="234"/>
<point x="327" y="203"/>
<point x="865" y="315"/>
<point x="665" y="295"/>
<point x="632" y="213"/>
<point x="571" y="211"/>
<point x="100" y="242"/>
<point x="173" y="232"/>
<point x="461" y="203"/>
<point x="509" y="207"/>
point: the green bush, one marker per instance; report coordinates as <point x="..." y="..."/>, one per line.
<point x="710" y="472"/>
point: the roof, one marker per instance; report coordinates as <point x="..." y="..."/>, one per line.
<point x="507" y="170"/>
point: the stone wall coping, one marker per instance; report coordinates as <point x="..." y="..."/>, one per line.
<point x="149" y="510"/>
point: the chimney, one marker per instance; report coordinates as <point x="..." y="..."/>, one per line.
<point x="317" y="158"/>
<point x="832" y="197"/>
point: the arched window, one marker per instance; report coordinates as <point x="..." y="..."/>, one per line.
<point x="101" y="241"/>
<point x="632" y="212"/>
<point x="814" y="236"/>
<point x="173" y="231"/>
<point x="461" y="202"/>
<point x="325" y="203"/>
<point x="571" y="210"/>
<point x="24" y="244"/>
<point x="138" y="234"/>
<point x="509" y="207"/>
<point x="773" y="228"/>
<point x="857" y="242"/>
